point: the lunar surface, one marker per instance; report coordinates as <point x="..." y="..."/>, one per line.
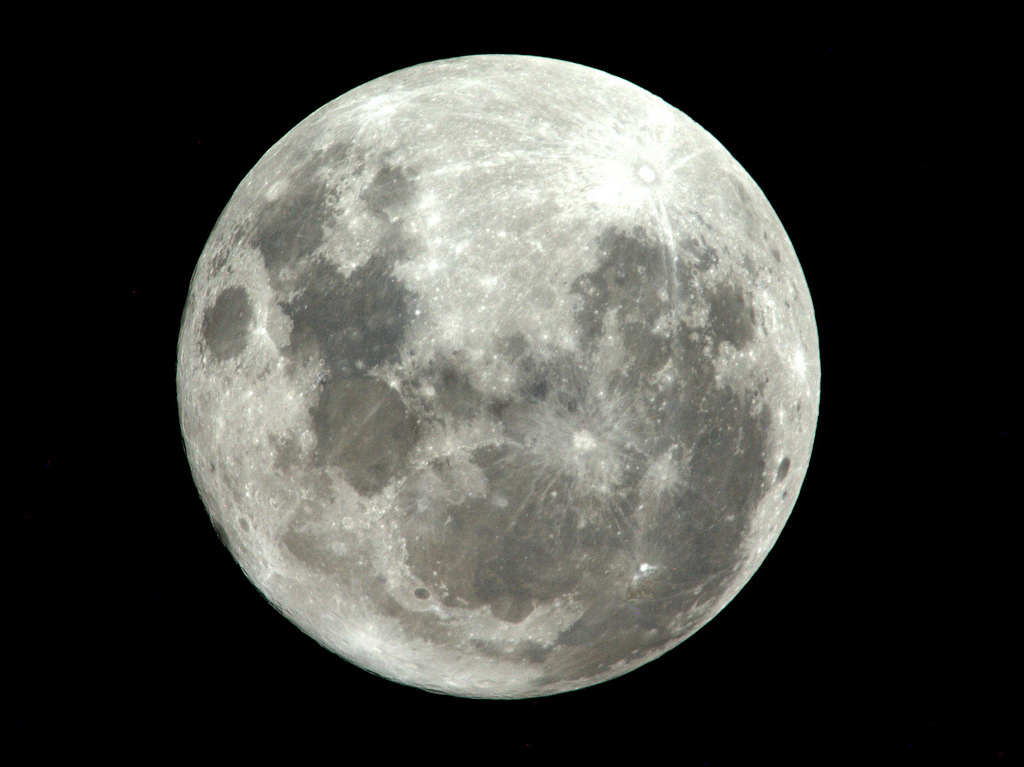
<point x="498" y="376"/>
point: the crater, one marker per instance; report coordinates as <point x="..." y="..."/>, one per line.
<point x="227" y="323"/>
<point x="390" y="193"/>
<point x="783" y="470"/>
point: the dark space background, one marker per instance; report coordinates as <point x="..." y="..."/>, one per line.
<point x="879" y="627"/>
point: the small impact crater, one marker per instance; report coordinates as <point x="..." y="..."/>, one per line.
<point x="227" y="323"/>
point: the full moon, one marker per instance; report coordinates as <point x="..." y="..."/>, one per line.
<point x="498" y="376"/>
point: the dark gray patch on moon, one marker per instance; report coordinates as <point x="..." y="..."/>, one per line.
<point x="390" y="193"/>
<point x="287" y="452"/>
<point x="363" y="428"/>
<point x="783" y="470"/>
<point x="541" y="526"/>
<point x="706" y="256"/>
<point x="291" y="227"/>
<point x="632" y="269"/>
<point x="227" y="323"/>
<point x="357" y="321"/>
<point x="693" y="529"/>
<point x="698" y="529"/>
<point x="731" y="316"/>
<point x="633" y="282"/>
<point x="478" y="552"/>
<point x="453" y="393"/>
<point x="516" y="572"/>
<point x="726" y="482"/>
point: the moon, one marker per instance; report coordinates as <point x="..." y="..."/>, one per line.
<point x="498" y="376"/>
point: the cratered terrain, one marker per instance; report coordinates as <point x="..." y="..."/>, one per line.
<point x="498" y="376"/>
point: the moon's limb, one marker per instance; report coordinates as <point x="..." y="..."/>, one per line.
<point x="499" y="376"/>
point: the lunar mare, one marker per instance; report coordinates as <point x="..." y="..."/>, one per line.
<point x="498" y="376"/>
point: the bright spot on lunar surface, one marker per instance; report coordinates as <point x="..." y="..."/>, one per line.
<point x="498" y="376"/>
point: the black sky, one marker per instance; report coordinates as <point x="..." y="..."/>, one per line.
<point x="879" y="625"/>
